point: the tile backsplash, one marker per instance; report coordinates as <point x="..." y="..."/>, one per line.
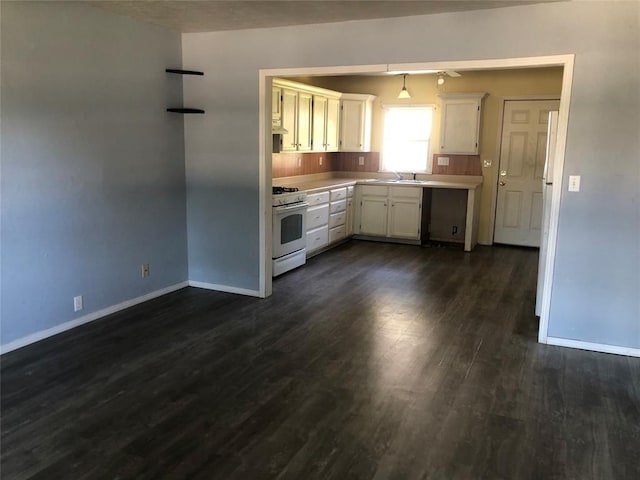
<point x="458" y="165"/>
<point x="292" y="164"/>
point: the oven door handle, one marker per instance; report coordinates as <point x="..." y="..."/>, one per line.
<point x="296" y="206"/>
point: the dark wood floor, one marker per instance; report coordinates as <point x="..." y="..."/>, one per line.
<point x="374" y="361"/>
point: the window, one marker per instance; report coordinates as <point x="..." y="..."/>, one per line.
<point x="406" y="140"/>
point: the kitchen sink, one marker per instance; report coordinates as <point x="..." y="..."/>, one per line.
<point x="395" y="180"/>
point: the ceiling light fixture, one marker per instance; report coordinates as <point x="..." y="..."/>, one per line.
<point x="404" y="93"/>
<point x="440" y="80"/>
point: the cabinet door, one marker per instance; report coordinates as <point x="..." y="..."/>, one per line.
<point x="349" y="220"/>
<point x="304" y="121"/>
<point x="460" y="125"/>
<point x="319" y="140"/>
<point x="404" y="218"/>
<point x="276" y="106"/>
<point x="373" y="216"/>
<point x="332" y="121"/>
<point x="289" y="120"/>
<point x="352" y="126"/>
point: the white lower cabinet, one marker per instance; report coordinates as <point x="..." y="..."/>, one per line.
<point x="317" y="238"/>
<point x="328" y="218"/>
<point x="317" y="216"/>
<point x="336" y="234"/>
<point x="390" y="212"/>
<point x="373" y="216"/>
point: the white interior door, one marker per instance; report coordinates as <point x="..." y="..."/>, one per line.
<point x="522" y="157"/>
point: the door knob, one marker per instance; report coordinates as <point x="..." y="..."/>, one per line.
<point x="502" y="184"/>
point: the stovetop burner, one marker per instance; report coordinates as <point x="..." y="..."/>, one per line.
<point x="281" y="190"/>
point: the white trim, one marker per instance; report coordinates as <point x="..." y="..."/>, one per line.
<point x="264" y="185"/>
<point x="225" y="288"/>
<point x="494" y="192"/>
<point x="493" y="64"/>
<point x="63" y="327"/>
<point x="316" y="71"/>
<point x="556" y="193"/>
<point x="594" y="347"/>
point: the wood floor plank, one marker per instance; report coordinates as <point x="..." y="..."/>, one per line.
<point x="373" y="361"/>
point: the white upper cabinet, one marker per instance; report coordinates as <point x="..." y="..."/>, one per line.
<point x="326" y="116"/>
<point x="460" y="123"/>
<point x="296" y="119"/>
<point x="319" y="122"/>
<point x="305" y="121"/>
<point x="311" y="116"/>
<point x="276" y="106"/>
<point x="355" y="121"/>
<point x="333" y="121"/>
<point x="290" y="120"/>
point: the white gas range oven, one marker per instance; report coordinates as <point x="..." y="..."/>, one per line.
<point x="289" y="229"/>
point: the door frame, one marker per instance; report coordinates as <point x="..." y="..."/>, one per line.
<point x="494" y="192"/>
<point x="265" y="146"/>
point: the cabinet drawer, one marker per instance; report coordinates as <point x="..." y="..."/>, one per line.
<point x="350" y="191"/>
<point x="338" y="206"/>
<point x="317" y="198"/>
<point x="317" y="216"/>
<point x="406" y="192"/>
<point x="338" y="194"/>
<point x="374" y="190"/>
<point x="317" y="238"/>
<point x="336" y="219"/>
<point x="337" y="233"/>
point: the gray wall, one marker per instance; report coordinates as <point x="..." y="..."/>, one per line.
<point x="92" y="165"/>
<point x="597" y="284"/>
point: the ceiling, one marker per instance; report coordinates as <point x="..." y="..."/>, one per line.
<point x="212" y="15"/>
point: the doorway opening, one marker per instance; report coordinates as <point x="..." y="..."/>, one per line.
<point x="266" y="76"/>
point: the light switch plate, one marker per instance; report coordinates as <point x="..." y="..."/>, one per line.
<point x="443" y="161"/>
<point x="574" y="183"/>
<point x="360" y="161"/>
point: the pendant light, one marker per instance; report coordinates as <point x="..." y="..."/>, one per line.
<point x="404" y="93"/>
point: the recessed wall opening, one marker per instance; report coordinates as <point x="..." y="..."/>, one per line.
<point x="502" y="81"/>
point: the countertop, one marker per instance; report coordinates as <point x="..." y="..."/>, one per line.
<point x="311" y="186"/>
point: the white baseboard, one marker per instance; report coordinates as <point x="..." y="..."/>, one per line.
<point x="595" y="347"/>
<point x="485" y="243"/>
<point x="49" y="332"/>
<point x="225" y="288"/>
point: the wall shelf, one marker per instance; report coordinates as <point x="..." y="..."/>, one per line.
<point x="183" y="72"/>
<point x="185" y="110"/>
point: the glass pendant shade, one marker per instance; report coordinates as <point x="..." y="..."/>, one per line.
<point x="404" y="93"/>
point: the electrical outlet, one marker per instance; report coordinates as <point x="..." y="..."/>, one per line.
<point x="299" y="161"/>
<point x="360" y="161"/>
<point x="487" y="163"/>
<point x="77" y="303"/>
<point x="320" y="161"/>
<point x="574" y="183"/>
<point x="443" y="161"/>
<point x="145" y="270"/>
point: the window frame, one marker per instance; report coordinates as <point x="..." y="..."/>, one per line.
<point x="429" y="163"/>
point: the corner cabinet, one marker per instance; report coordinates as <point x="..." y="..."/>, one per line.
<point x="355" y="122"/>
<point x="460" y="123"/>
